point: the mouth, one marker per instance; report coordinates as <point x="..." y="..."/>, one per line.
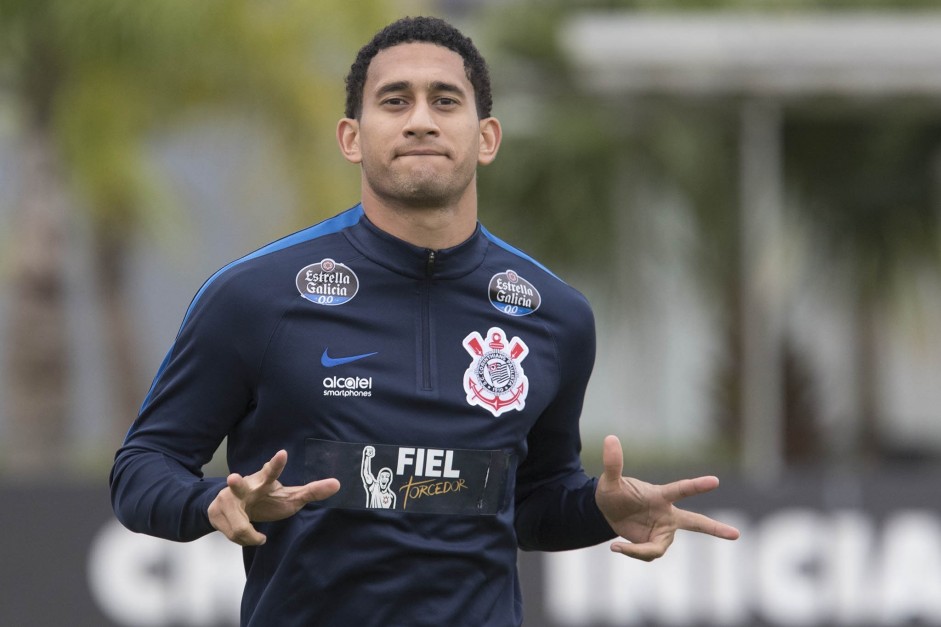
<point x="421" y="152"/>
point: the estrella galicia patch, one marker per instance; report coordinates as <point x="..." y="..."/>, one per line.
<point x="422" y="480"/>
<point x="513" y="295"/>
<point x="327" y="283"/>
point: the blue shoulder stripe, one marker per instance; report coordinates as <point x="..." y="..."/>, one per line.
<point x="516" y="251"/>
<point x="330" y="225"/>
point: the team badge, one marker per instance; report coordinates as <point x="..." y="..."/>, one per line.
<point x="327" y="283"/>
<point x="512" y="294"/>
<point x="495" y="379"/>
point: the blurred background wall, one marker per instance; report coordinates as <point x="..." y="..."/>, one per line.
<point x="748" y="192"/>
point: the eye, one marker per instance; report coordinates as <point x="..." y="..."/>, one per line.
<point x="394" y="101"/>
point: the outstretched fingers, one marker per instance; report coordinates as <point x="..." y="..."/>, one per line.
<point x="260" y="497"/>
<point x="274" y="467"/>
<point x="261" y="481"/>
<point x="687" y="521"/>
<point x="692" y="521"/>
<point x="684" y="488"/>
<point x="318" y="490"/>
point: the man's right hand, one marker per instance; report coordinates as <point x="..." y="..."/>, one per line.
<point x="261" y="498"/>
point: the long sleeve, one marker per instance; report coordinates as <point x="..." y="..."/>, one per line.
<point x="201" y="390"/>
<point x="555" y="498"/>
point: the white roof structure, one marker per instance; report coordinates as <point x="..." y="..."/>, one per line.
<point x="823" y="53"/>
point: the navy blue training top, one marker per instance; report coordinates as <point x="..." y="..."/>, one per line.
<point x="443" y="388"/>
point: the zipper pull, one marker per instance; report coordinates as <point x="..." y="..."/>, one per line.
<point x="430" y="263"/>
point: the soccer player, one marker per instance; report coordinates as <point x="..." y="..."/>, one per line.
<point x="400" y="331"/>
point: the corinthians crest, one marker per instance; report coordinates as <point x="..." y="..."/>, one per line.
<point x="495" y="379"/>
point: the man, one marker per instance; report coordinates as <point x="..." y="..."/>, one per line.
<point x="401" y="331"/>
<point x="378" y="491"/>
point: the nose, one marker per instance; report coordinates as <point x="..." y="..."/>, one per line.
<point x="421" y="121"/>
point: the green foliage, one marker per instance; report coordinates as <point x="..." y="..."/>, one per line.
<point x="105" y="76"/>
<point x="94" y="83"/>
<point x="756" y="5"/>
<point x="552" y="191"/>
<point x="562" y="174"/>
<point x="861" y="185"/>
<point x="693" y="145"/>
<point x="866" y="178"/>
<point x="867" y="184"/>
<point x="551" y="188"/>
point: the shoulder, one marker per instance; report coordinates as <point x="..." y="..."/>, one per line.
<point x="558" y="308"/>
<point x="553" y="292"/>
<point x="259" y="281"/>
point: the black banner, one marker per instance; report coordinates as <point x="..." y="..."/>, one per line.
<point x="410" y="478"/>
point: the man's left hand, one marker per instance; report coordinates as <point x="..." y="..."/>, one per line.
<point x="644" y="513"/>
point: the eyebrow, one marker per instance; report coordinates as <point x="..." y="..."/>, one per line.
<point x="436" y="86"/>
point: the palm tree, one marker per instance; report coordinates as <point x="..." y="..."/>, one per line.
<point x="94" y="81"/>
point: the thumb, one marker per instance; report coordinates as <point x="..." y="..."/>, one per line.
<point x="613" y="458"/>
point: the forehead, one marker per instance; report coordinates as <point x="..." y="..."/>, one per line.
<point x="416" y="63"/>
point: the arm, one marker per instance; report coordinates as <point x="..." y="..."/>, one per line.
<point x="558" y="512"/>
<point x="202" y="389"/>
<point x="365" y="471"/>
<point x="555" y="503"/>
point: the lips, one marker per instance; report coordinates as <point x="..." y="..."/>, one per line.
<point x="421" y="152"/>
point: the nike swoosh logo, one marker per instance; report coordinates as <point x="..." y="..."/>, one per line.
<point x="329" y="362"/>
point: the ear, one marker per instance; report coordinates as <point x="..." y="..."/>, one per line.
<point x="348" y="139"/>
<point x="490" y="135"/>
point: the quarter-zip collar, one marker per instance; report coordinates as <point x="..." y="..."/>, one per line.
<point x="414" y="261"/>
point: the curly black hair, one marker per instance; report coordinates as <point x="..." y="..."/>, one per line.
<point x="420" y="29"/>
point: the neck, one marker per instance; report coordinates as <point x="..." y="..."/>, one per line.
<point x="436" y="227"/>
